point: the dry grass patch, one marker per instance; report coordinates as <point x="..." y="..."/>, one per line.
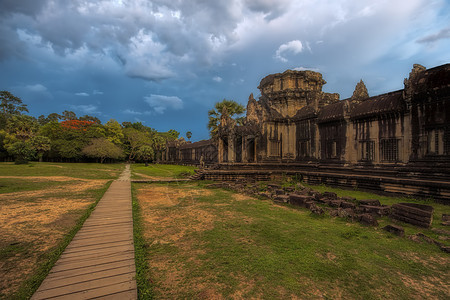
<point x="216" y="244"/>
<point x="33" y="222"/>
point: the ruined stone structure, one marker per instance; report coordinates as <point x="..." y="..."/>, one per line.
<point x="295" y="127"/>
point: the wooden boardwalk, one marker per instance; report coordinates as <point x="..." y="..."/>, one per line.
<point x="99" y="262"/>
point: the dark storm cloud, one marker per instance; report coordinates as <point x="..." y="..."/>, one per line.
<point x="202" y="51"/>
<point x="443" y="34"/>
<point x="27" y="7"/>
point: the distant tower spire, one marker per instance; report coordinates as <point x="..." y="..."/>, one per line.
<point x="360" y="92"/>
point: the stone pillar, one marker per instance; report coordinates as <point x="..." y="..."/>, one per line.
<point x="351" y="147"/>
<point x="244" y="150"/>
<point x="220" y="151"/>
<point x="231" y="150"/>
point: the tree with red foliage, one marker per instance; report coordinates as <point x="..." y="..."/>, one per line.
<point x="77" y="124"/>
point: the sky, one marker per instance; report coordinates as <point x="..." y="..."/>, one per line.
<point x="165" y="63"/>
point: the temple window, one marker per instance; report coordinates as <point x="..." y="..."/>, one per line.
<point x="437" y="142"/>
<point x="389" y="149"/>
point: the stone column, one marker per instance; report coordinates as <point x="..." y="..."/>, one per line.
<point x="231" y="149"/>
<point x="220" y="151"/>
<point x="244" y="150"/>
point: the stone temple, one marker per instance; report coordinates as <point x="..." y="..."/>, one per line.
<point x="395" y="142"/>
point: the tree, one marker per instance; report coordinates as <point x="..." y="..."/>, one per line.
<point x="10" y="105"/>
<point x="68" y="149"/>
<point x="40" y="144"/>
<point x="135" y="139"/>
<point x="173" y="134"/>
<point x="145" y="153"/>
<point x="53" y="117"/>
<point x="158" y="144"/>
<point x="114" y="132"/>
<point x="90" y="118"/>
<point x="68" y="115"/>
<point x="189" y="135"/>
<point x="232" y="108"/>
<point x="101" y="148"/>
<point x="22" y="151"/>
<point x="23" y="126"/>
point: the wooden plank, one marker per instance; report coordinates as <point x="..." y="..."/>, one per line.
<point x="90" y="256"/>
<point x="131" y="294"/>
<point x="91" y="269"/>
<point x="108" y="285"/>
<point x="63" y="282"/>
<point x="99" y="262"/>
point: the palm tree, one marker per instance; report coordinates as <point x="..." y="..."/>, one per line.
<point x="233" y="109"/>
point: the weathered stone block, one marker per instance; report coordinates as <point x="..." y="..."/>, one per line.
<point x="342" y="213"/>
<point x="372" y="202"/>
<point x="316" y="209"/>
<point x="416" y="214"/>
<point x="297" y="199"/>
<point x="279" y="192"/>
<point x="345" y="204"/>
<point x="330" y="195"/>
<point x="335" y="203"/>
<point x="289" y="189"/>
<point x="265" y="195"/>
<point x="367" y="219"/>
<point x="395" y="229"/>
<point x="383" y="210"/>
<point x="281" y="198"/>
<point x="272" y="186"/>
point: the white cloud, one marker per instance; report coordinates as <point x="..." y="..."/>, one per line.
<point x="132" y="112"/>
<point x="306" y="69"/>
<point x="97" y="92"/>
<point x="294" y="46"/>
<point x="217" y="79"/>
<point x="36" y="88"/>
<point x="137" y="113"/>
<point x="82" y="94"/>
<point x="160" y="103"/>
<point x="86" y="109"/>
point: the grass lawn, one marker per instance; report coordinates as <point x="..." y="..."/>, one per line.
<point x="155" y="171"/>
<point x="77" y="170"/>
<point x="42" y="207"/>
<point x="211" y="243"/>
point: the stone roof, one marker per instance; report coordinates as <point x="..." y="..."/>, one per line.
<point x="305" y="112"/>
<point x="310" y="75"/>
<point x="196" y="144"/>
<point x="433" y="78"/>
<point x="381" y="104"/>
<point x="332" y="112"/>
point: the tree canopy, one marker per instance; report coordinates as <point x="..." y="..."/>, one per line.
<point x="66" y="137"/>
<point x="229" y="107"/>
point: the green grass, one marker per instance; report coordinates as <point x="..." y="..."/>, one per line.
<point x="77" y="170"/>
<point x="31" y="284"/>
<point x="10" y="185"/>
<point x="159" y="170"/>
<point x="254" y="248"/>
<point x="141" y="256"/>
